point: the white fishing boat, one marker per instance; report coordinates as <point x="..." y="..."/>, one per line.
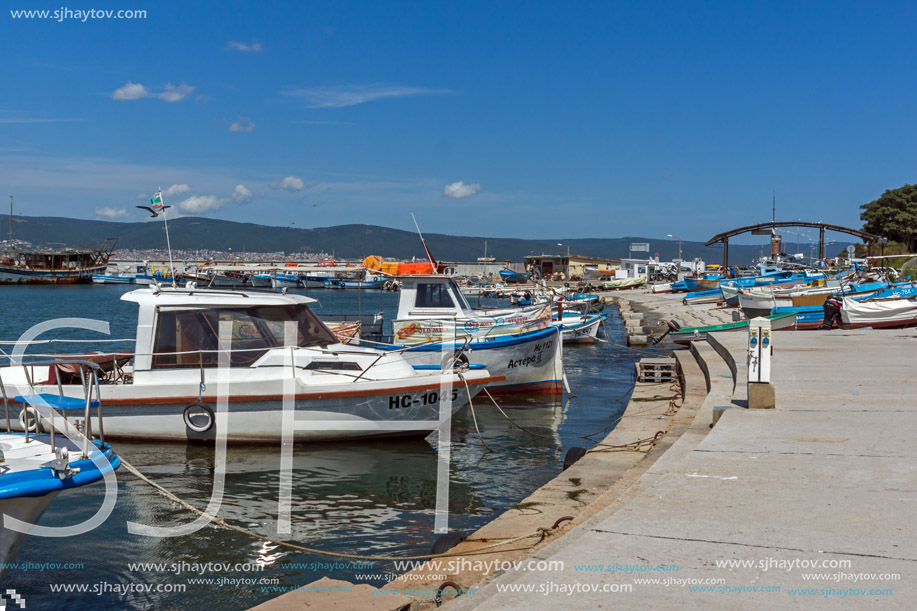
<point x="261" y="281"/>
<point x="285" y="280"/>
<point x="624" y="283"/>
<point x="36" y="468"/>
<point x="170" y="388"/>
<point x="519" y="344"/>
<point x="891" y="311"/>
<point x="119" y="274"/>
<point x="579" y="328"/>
<point x="762" y="301"/>
<point x="155" y="274"/>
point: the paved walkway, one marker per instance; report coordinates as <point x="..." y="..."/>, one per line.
<point x="829" y="476"/>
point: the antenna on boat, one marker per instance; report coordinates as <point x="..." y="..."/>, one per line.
<point x="168" y="241"/>
<point x="774" y="208"/>
<point x="424" y="242"/>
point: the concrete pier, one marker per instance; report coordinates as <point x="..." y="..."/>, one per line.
<point x="806" y="506"/>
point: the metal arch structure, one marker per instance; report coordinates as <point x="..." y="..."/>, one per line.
<point x="869" y="238"/>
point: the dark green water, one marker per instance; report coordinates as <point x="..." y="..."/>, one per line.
<point x="366" y="498"/>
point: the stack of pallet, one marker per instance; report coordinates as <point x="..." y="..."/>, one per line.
<point x="656" y="370"/>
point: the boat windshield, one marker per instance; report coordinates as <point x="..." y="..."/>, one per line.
<point x="433" y="295"/>
<point x="188" y="337"/>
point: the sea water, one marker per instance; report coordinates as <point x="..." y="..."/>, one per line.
<point x="367" y="498"/>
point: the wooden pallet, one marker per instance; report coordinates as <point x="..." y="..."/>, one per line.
<point x="657" y="370"/>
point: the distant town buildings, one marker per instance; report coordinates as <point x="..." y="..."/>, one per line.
<point x="205" y="254"/>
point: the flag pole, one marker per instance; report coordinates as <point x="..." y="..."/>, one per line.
<point x="168" y="242"/>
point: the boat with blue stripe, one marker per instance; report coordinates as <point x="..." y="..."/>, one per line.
<point x="38" y="467"/>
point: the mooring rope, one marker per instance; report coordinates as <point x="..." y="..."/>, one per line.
<point x="641" y="445"/>
<point x="473" y="416"/>
<point x="671" y="411"/>
<point x="541" y="533"/>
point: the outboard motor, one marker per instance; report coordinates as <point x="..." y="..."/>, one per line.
<point x="672" y="326"/>
<point x="832" y="309"/>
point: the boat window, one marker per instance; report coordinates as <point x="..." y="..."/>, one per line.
<point x="189" y="338"/>
<point x="433" y="295"/>
<point x="334" y="365"/>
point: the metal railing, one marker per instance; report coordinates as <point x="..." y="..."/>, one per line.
<point x="89" y="384"/>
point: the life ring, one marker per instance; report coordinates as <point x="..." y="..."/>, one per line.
<point x="198" y="417"/>
<point x="459" y="360"/>
<point x="34" y="419"/>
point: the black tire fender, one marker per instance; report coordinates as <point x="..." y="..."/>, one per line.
<point x="194" y="414"/>
<point x="573" y="455"/>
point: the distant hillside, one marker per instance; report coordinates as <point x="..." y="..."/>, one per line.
<point x="345" y="241"/>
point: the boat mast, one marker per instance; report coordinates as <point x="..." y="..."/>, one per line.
<point x="11" y="221"/>
<point x="168" y="241"/>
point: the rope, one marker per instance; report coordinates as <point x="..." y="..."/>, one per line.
<point x="641" y="445"/>
<point x="473" y="416"/>
<point x="541" y="533"/>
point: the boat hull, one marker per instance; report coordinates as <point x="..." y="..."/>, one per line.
<point x="624" y="283"/>
<point x="28" y="486"/>
<point x="687" y="335"/>
<point x="26" y="509"/>
<point x="332" y="413"/>
<point x="531" y="363"/>
<point x="575" y="330"/>
<point x="879" y="313"/>
<point x="103" y="279"/>
<point x="16" y="275"/>
<point x="285" y="282"/>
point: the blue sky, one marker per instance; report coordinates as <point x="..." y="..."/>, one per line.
<point x="517" y="119"/>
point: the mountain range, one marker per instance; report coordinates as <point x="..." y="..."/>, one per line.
<point x="350" y="241"/>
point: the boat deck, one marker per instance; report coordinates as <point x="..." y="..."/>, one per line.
<point x="20" y="456"/>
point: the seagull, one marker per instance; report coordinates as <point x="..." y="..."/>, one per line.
<point x="154" y="212"/>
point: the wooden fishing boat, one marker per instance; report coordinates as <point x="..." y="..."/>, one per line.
<point x="55" y="267"/>
<point x="686" y="335"/>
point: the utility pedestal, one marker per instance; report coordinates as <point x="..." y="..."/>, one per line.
<point x="760" y="389"/>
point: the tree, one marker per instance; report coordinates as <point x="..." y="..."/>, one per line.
<point x="894" y="216"/>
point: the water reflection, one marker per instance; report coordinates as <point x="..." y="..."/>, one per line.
<point x="367" y="498"/>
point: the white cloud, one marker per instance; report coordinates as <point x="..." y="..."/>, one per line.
<point x="111" y="213"/>
<point x="131" y="91"/>
<point x="352" y="95"/>
<point x="290" y="183"/>
<point x="244" y="124"/>
<point x="310" y="122"/>
<point x="253" y="47"/>
<point x="241" y="194"/>
<point x="459" y="190"/>
<point x="201" y="203"/>
<point x="175" y="94"/>
<point x="176" y="190"/>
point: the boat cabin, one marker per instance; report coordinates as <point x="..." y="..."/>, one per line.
<point x="432" y="296"/>
<point x="180" y="328"/>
